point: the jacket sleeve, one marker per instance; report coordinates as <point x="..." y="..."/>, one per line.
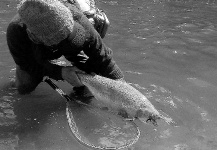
<point x="22" y="51"/>
<point x="100" y="61"/>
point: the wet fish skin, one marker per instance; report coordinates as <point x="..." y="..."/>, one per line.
<point x="121" y="97"/>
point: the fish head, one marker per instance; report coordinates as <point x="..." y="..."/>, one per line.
<point x="144" y="116"/>
<point x="147" y="116"/>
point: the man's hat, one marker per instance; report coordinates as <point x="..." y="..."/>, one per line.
<point x="49" y="20"/>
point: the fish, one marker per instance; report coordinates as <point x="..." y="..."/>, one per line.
<point x="122" y="98"/>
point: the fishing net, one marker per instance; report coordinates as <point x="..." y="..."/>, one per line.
<point x="99" y="129"/>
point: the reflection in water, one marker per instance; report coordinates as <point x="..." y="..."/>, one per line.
<point x="167" y="50"/>
<point x="8" y="122"/>
<point x="23" y="119"/>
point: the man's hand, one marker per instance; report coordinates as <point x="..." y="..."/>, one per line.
<point x="69" y="75"/>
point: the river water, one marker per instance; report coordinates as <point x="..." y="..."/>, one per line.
<point x="167" y="50"/>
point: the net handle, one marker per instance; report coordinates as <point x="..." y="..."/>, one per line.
<point x="56" y="88"/>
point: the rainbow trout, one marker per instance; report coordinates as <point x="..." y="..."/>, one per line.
<point x="121" y="98"/>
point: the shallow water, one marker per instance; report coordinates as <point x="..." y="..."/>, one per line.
<point x="167" y="50"/>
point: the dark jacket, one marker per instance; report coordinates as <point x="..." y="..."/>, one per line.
<point x="36" y="58"/>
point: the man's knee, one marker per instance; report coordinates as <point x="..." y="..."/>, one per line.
<point x="24" y="82"/>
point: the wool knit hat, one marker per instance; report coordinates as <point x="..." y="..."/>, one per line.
<point x="49" y="20"/>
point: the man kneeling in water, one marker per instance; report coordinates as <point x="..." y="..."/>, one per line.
<point x="45" y="30"/>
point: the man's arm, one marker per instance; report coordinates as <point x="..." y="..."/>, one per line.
<point x="100" y="58"/>
<point x="22" y="51"/>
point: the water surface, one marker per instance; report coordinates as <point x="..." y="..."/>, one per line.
<point x="167" y="50"/>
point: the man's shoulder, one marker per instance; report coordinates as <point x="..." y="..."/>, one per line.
<point x="16" y="20"/>
<point x="16" y="28"/>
